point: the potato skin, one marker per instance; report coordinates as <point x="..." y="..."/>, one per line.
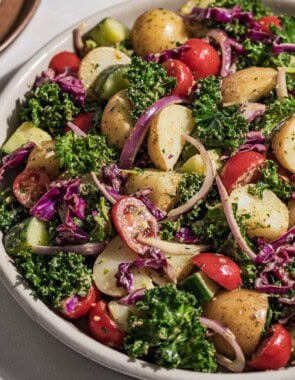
<point x="43" y="156"/>
<point x="116" y="124"/>
<point x="291" y="208"/>
<point x="248" y="85"/>
<point x="156" y="30"/>
<point x="244" y="312"/>
<point x="283" y="144"/>
<point x="163" y="185"/>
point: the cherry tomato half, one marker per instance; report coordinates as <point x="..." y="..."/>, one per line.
<point x="202" y="58"/>
<point x="183" y="75"/>
<point x="275" y="351"/>
<point x="242" y="169"/>
<point x="30" y="185"/>
<point x="132" y="219"/>
<point x="219" y="268"/>
<point x="265" y="22"/>
<point x="103" y="328"/>
<point x="65" y="60"/>
<point x="84" y="121"/>
<point x="82" y="305"/>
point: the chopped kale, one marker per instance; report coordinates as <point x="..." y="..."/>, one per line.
<point x="11" y="211"/>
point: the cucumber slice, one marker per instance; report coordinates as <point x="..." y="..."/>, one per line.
<point x="108" y="32"/>
<point x="25" y="133"/>
<point x="28" y="233"/>
<point x="201" y="286"/>
<point x="111" y="81"/>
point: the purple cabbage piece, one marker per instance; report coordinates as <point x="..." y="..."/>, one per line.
<point x="133" y="297"/>
<point x="185" y="235"/>
<point x="236" y="46"/>
<point x="250" y="111"/>
<point x="113" y="176"/>
<point x="166" y="54"/>
<point x="156" y="212"/>
<point x="70" y="303"/>
<point x="15" y="158"/>
<point x="259" y="36"/>
<point x="69" y="234"/>
<point x="254" y="142"/>
<point x="46" y="206"/>
<point x="68" y="82"/>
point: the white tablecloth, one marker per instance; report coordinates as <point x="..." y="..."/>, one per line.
<point x="27" y="352"/>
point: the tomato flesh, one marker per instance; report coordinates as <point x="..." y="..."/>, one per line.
<point x="201" y="57"/>
<point x="30" y="185"/>
<point x="183" y="75"/>
<point x="84" y="121"/>
<point x="220" y="269"/>
<point x="65" y="60"/>
<point x="132" y="219"/>
<point x="103" y="328"/>
<point x="274" y="352"/>
<point x="266" y="21"/>
<point x="82" y="305"/>
<point x="242" y="169"/>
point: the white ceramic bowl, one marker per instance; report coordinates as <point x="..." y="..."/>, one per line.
<point x="38" y="311"/>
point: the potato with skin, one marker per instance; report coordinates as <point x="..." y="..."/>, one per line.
<point x="291" y="208"/>
<point x="43" y="156"/>
<point x="244" y="312"/>
<point x="115" y="123"/>
<point x="165" y="139"/>
<point x="283" y="144"/>
<point x="163" y="185"/>
<point x="248" y="85"/>
<point x="268" y="217"/>
<point x="156" y="30"/>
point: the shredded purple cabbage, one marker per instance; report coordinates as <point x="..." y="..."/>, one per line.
<point x="133" y="297"/>
<point x="259" y="36"/>
<point x="15" y="158"/>
<point x="166" y="54"/>
<point x="156" y="212"/>
<point x="185" y="235"/>
<point x="113" y="176"/>
<point x="254" y="142"/>
<point x="69" y="234"/>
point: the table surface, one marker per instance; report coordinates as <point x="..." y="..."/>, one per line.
<point x="27" y="351"/>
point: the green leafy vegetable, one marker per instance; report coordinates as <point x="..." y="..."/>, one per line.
<point x="287" y="30"/>
<point x="81" y="155"/>
<point x="11" y="212"/>
<point x="148" y="82"/>
<point x="167" y="329"/>
<point x="54" y="278"/>
<point x="48" y="108"/>
<point x="254" y="6"/>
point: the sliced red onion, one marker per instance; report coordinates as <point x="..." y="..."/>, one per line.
<point x="239" y="48"/>
<point x="166" y="54"/>
<point x="87" y="249"/>
<point x="281" y="86"/>
<point x="236" y="365"/>
<point x="222" y="39"/>
<point x="250" y="111"/>
<point x="138" y="133"/>
<point x="70" y="304"/>
<point x="207" y="184"/>
<point x="76" y="129"/>
<point x="271" y="289"/>
<point x="234" y="227"/>
<point x="102" y="187"/>
<point x="278" y="48"/>
<point x="132" y="298"/>
<point x="260" y="36"/>
<point x="284" y="321"/>
<point x="287" y="301"/>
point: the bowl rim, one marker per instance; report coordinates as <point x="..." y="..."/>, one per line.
<point x="64" y="330"/>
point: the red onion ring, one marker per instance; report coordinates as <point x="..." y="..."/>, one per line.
<point x="222" y="39"/>
<point x="76" y="129"/>
<point x="207" y="184"/>
<point x="281" y="86"/>
<point x="103" y="188"/>
<point x="87" y="249"/>
<point x="239" y="363"/>
<point x="234" y="227"/>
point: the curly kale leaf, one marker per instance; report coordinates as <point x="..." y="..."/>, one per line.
<point x="11" y="212"/>
<point x="148" y="82"/>
<point x="217" y="126"/>
<point x="254" y="6"/>
<point x="81" y="155"/>
<point x="54" y="278"/>
<point x="287" y="30"/>
<point x="167" y="330"/>
<point x="48" y="108"/>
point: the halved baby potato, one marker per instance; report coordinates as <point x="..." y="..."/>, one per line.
<point x="291" y="208"/>
<point x="43" y="156"/>
<point x="165" y="140"/>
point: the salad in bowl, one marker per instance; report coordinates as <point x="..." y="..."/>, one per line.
<point x="148" y="191"/>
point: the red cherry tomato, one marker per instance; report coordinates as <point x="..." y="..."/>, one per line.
<point x="275" y="351"/>
<point x="65" y="60"/>
<point x="82" y="305"/>
<point x="201" y="58"/>
<point x="183" y="75"/>
<point x="30" y="185"/>
<point x="242" y="169"/>
<point x="103" y="328"/>
<point x="265" y="22"/>
<point x="132" y="219"/>
<point x="84" y="121"/>
<point x="219" y="268"/>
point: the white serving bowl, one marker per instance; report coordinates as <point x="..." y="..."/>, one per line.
<point x="37" y="310"/>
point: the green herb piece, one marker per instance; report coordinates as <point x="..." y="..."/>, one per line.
<point x="11" y="212"/>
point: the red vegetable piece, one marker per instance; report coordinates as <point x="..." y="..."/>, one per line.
<point x="30" y="185"/>
<point x="84" y="121"/>
<point x="202" y="58"/>
<point x="65" y="60"/>
<point x="83" y="306"/>
<point x="132" y="219"/>
<point x="242" y="169"/>
<point x="275" y="351"/>
<point x="183" y="75"/>
<point x="103" y="328"/>
<point x="266" y="21"/>
<point x="219" y="268"/>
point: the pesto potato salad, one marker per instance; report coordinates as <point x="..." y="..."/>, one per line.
<point x="149" y="187"/>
